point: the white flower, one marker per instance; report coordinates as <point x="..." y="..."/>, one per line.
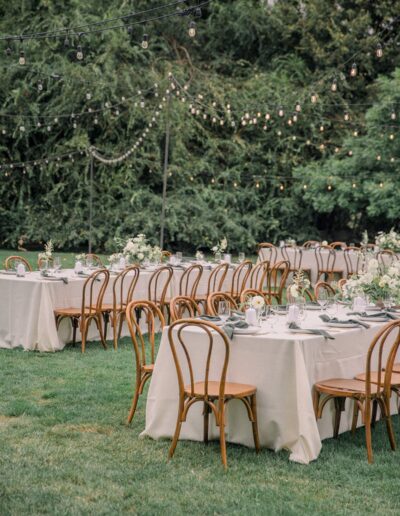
<point x="373" y="265"/>
<point x="140" y="256"/>
<point x="324" y="242"/>
<point x="257" y="302"/>
<point x="294" y="291"/>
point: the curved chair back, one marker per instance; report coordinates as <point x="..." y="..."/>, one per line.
<point x="190" y="281"/>
<point x="158" y="285"/>
<point x="386" y="257"/>
<point x="124" y="286"/>
<point x="293" y="255"/>
<point x="194" y="370"/>
<point x="96" y="260"/>
<point x="310" y="244"/>
<point x="151" y="314"/>
<point x="258" y="275"/>
<point x="93" y="292"/>
<point x="267" y="252"/>
<point x="353" y="260"/>
<point x="239" y="278"/>
<point x="217" y="278"/>
<point x="323" y="285"/>
<point x="12" y="262"/>
<point x="41" y="260"/>
<point x="341" y="246"/>
<point x="276" y="279"/>
<point x="252" y="292"/>
<point x="325" y="257"/>
<point x="183" y="306"/>
<point x="215" y="297"/>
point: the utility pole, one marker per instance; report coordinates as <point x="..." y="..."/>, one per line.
<point x="91" y="167"/>
<point x="165" y="172"/>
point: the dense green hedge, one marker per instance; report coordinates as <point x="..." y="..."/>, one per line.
<point x="248" y="55"/>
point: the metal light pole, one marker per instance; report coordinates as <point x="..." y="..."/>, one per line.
<point x="91" y="167"/>
<point x="165" y="173"/>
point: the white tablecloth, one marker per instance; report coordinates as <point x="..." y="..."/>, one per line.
<point x="283" y="367"/>
<point x="27" y="307"/>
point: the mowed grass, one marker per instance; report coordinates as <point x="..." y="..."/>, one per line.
<point x="67" y="259"/>
<point x="65" y="449"/>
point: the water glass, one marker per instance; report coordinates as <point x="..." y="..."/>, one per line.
<point x="322" y="298"/>
<point x="178" y="257"/>
<point x="44" y="265"/>
<point x="241" y="258"/>
<point x="224" y="309"/>
<point x="218" y="257"/>
<point x="57" y="263"/>
<point x="89" y="262"/>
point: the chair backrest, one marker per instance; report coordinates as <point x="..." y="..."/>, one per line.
<point x="248" y="293"/>
<point x="267" y="252"/>
<point x="277" y="276"/>
<point x="325" y="257"/>
<point x="159" y="283"/>
<point x="124" y="286"/>
<point x="198" y="370"/>
<point x="151" y="314"/>
<point x="240" y="277"/>
<point x="190" y="281"/>
<point x="258" y="275"/>
<point x="323" y="285"/>
<point x="308" y="295"/>
<point x="353" y="260"/>
<point x="382" y="355"/>
<point x="341" y="283"/>
<point x="386" y="257"/>
<point x="217" y="278"/>
<point x="12" y="262"/>
<point x="93" y="291"/>
<point x="215" y="297"/>
<point x="95" y="259"/>
<point x="183" y="307"/>
<point x="293" y="255"/>
<point x="338" y="245"/>
<point x="311" y="244"/>
<point x="41" y="260"/>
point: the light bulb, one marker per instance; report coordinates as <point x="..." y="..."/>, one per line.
<point x="295" y="117"/>
<point x="321" y="128"/>
<point x="314" y="98"/>
<point x="353" y="71"/>
<point x="346" y="117"/>
<point x="79" y="53"/>
<point x="391" y="136"/>
<point x="192" y="29"/>
<point x="379" y="50"/>
<point x="393" y="115"/>
<point x="305" y="187"/>
<point x="329" y="187"/>
<point x="40" y="86"/>
<point x="145" y="41"/>
<point x="281" y="188"/>
<point x="298" y="107"/>
<point x="22" y="59"/>
<point x="267" y="116"/>
<point x="88" y="96"/>
<point x="8" y="51"/>
<point x="281" y="112"/>
<point x="354" y="185"/>
<point x="334" y="85"/>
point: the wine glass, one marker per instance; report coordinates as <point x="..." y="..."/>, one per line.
<point x="178" y="257"/>
<point x="57" y="263"/>
<point x="224" y="309"/>
<point x="89" y="262"/>
<point x="322" y="298"/>
<point x="241" y="257"/>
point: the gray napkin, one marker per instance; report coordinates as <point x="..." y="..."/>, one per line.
<point x="230" y="327"/>
<point x="294" y="326"/>
<point x="46" y="274"/>
<point x="235" y="317"/>
<point x="312" y="303"/>
<point x="210" y="318"/>
<point x="328" y="319"/>
<point x="84" y="275"/>
<point x="386" y="314"/>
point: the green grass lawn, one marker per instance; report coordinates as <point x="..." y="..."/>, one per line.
<point x="65" y="449"/>
<point x="67" y="259"/>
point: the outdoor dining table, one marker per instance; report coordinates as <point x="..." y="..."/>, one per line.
<point x="284" y="367"/>
<point x="27" y="305"/>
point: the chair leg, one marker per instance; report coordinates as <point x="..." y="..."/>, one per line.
<point x="222" y="440"/>
<point x="84" y="332"/>
<point x="316" y="396"/>
<point x="75" y="324"/>
<point x="254" y="423"/>
<point x="368" y="439"/>
<point x="374" y="412"/>
<point x="100" y="328"/>
<point x="106" y="317"/>
<point x="206" y="413"/>
<point x="177" y="430"/>
<point x="339" y="407"/>
<point x="385" y="409"/>
<point x="355" y="417"/>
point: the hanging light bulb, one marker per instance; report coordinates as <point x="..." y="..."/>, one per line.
<point x="79" y="53"/>
<point x="192" y="29"/>
<point x="346" y="117"/>
<point x="281" y="188"/>
<point x="391" y="136"/>
<point x="393" y="115"/>
<point x="145" y="41"/>
<point x="354" y="185"/>
<point x="88" y="96"/>
<point x="314" y="98"/>
<point x="280" y="111"/>
<point x="379" y="50"/>
<point x="350" y="153"/>
<point x="329" y="187"/>
<point x="381" y="185"/>
<point x="40" y="85"/>
<point x="298" y="107"/>
<point x="22" y="60"/>
<point x="334" y="85"/>
<point x="305" y="187"/>
<point x="321" y="128"/>
<point x="355" y="133"/>
<point x="66" y="41"/>
<point x="295" y="117"/>
<point x="353" y="70"/>
<point x="267" y="116"/>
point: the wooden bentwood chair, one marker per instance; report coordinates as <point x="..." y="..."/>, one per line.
<point x="239" y="279"/>
<point x="183" y="307"/>
<point x="158" y="287"/>
<point x="267" y="252"/>
<point x="90" y="310"/>
<point x="215" y="283"/>
<point x="144" y="367"/>
<point x="123" y="289"/>
<point x="49" y="260"/>
<point x="325" y="257"/>
<point x="213" y="393"/>
<point x="190" y="281"/>
<point x="12" y="262"/>
<point x="215" y="297"/>
<point x="95" y="259"/>
<point x="367" y="388"/>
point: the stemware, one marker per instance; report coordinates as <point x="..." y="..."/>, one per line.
<point x="178" y="256"/>
<point x="57" y="263"/>
<point x="224" y="309"/>
<point x="241" y="257"/>
<point x="89" y="262"/>
<point x="322" y="298"/>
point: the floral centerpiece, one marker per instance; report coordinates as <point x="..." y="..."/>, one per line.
<point x="48" y="251"/>
<point x="377" y="282"/>
<point x="115" y="258"/>
<point x="299" y="286"/>
<point x="291" y="242"/>
<point x="389" y="240"/>
<point x="80" y="257"/>
<point x="221" y="247"/>
<point x="137" y="249"/>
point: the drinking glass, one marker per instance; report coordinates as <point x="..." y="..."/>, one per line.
<point x="224" y="309"/>
<point x="178" y="256"/>
<point x="44" y="265"/>
<point x="200" y="256"/>
<point x="57" y="263"/>
<point x="218" y="257"/>
<point x="89" y="262"/>
<point x="241" y="258"/>
<point x="322" y="298"/>
<point x="331" y="308"/>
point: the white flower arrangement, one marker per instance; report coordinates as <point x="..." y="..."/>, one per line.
<point x="48" y="251"/>
<point x="257" y="302"/>
<point x="115" y="258"/>
<point x="220" y="247"/>
<point x="300" y="284"/>
<point x="199" y="256"/>
<point x="80" y="257"/>
<point x="377" y="282"/>
<point x="389" y="240"/>
<point x="290" y="241"/>
<point x="138" y="250"/>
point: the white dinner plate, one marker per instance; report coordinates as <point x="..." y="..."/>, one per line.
<point x="375" y="319"/>
<point x="313" y="307"/>
<point x="10" y="273"/>
<point x="251" y="330"/>
<point x="342" y="325"/>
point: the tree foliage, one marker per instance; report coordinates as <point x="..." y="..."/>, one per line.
<point x="246" y="182"/>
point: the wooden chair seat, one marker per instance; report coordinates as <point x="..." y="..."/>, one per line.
<point x="374" y="377"/>
<point x="232" y="390"/>
<point x="74" y="312"/>
<point x="343" y="387"/>
<point x="148" y="368"/>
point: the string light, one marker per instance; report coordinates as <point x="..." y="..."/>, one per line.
<point x="353" y="70"/>
<point x="379" y="50"/>
<point x="393" y="115"/>
<point x="281" y="112"/>
<point x="79" y="53"/>
<point x="298" y="107"/>
<point x="192" y="29"/>
<point x="314" y="98"/>
<point x="346" y="117"/>
<point x="334" y="85"/>
<point x="22" y="60"/>
<point x="145" y="41"/>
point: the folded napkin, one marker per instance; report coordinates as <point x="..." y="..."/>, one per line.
<point x="294" y="326"/>
<point x="235" y="317"/>
<point x="366" y="315"/>
<point x="238" y="313"/>
<point x="210" y="318"/>
<point x="85" y="275"/>
<point x="46" y="274"/>
<point x="312" y="303"/>
<point x="230" y="327"/>
<point x="335" y="320"/>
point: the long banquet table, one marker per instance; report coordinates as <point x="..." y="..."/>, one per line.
<point x="27" y="306"/>
<point x="283" y="366"/>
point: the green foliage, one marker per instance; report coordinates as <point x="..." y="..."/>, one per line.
<point x="247" y="54"/>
